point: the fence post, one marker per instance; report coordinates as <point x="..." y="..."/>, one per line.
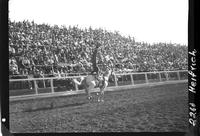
<point x="146" y="78"/>
<point x="36" y="87"/>
<point x="178" y="74"/>
<point x="185" y="77"/>
<point x="52" y="88"/>
<point x="115" y="80"/>
<point x="132" y="81"/>
<point x="160" y="77"/>
<point x="44" y="83"/>
<point x="76" y="87"/>
<point x="167" y="76"/>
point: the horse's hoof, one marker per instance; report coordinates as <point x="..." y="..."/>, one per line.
<point x="89" y="98"/>
<point x="51" y="105"/>
<point x="99" y="100"/>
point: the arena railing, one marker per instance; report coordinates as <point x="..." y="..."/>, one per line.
<point x="36" y="86"/>
<point x="46" y="75"/>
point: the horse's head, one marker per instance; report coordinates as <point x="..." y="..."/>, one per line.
<point x="109" y="72"/>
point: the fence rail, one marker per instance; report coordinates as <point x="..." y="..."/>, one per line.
<point x="52" y="85"/>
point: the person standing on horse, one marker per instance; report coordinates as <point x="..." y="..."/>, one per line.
<point x="108" y="64"/>
<point x="95" y="70"/>
<point x="93" y="80"/>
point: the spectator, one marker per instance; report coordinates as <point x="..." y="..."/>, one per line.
<point x="31" y="45"/>
<point x="13" y="68"/>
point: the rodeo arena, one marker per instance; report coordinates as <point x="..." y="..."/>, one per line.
<point x="69" y="79"/>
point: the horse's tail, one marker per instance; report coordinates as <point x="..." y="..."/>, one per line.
<point x="77" y="82"/>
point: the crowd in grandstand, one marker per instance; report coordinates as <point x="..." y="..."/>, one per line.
<point x="45" y="49"/>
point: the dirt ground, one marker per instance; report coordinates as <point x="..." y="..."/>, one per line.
<point x="160" y="108"/>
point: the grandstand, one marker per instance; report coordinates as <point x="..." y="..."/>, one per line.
<point x="44" y="50"/>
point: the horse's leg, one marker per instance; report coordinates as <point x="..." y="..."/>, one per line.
<point x="88" y="94"/>
<point x="88" y="90"/>
<point x="101" y="97"/>
<point x="91" y="86"/>
<point x="85" y="85"/>
<point x="100" y="94"/>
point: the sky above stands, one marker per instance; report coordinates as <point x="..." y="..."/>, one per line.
<point x="150" y="21"/>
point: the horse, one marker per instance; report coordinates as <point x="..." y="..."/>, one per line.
<point x="90" y="82"/>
